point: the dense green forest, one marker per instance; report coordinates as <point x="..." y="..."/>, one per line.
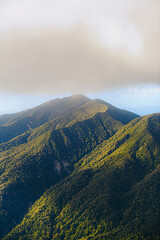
<point x="92" y="172"/>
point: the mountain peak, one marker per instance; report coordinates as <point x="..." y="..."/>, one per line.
<point x="79" y="96"/>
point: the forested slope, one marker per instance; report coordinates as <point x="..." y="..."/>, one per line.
<point x="37" y="159"/>
<point x="113" y="192"/>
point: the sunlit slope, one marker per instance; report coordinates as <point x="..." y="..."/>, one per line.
<point x="62" y="111"/>
<point x="119" y="114"/>
<point x="12" y="125"/>
<point x="84" y="112"/>
<point x="81" y="113"/>
<point x="37" y="159"/>
<point x="113" y="192"/>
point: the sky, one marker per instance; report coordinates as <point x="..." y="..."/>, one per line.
<point x="105" y="49"/>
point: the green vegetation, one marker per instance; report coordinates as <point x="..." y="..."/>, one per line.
<point x="112" y="193"/>
<point x="84" y="170"/>
<point x="12" y="125"/>
<point x="58" y="113"/>
<point x="37" y="159"/>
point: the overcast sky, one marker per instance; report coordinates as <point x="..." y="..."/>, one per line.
<point x="58" y="47"/>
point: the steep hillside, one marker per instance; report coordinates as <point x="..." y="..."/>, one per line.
<point x="60" y="110"/>
<point x="37" y="159"/>
<point x="84" y="112"/>
<point x="113" y="192"/>
<point x="12" y="125"/>
<point x="119" y="114"/>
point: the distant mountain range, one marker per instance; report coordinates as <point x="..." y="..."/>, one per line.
<point x="76" y="168"/>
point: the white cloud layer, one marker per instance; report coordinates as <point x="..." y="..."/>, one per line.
<point x="78" y="46"/>
<point x="108" y="18"/>
<point x="144" y="91"/>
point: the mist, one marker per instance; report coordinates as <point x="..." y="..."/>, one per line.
<point x="54" y="59"/>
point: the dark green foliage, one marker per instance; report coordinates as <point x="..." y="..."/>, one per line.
<point x="112" y="193"/>
<point x="39" y="158"/>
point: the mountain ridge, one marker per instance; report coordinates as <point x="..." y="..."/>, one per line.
<point x="82" y="175"/>
<point x="40" y="157"/>
<point x="106" y="196"/>
<point x="20" y="122"/>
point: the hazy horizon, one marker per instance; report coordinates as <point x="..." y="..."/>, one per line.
<point x="118" y="98"/>
<point x="105" y="49"/>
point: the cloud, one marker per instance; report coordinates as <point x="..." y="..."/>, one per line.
<point x="65" y="59"/>
<point x="108" y="18"/>
<point x="144" y="91"/>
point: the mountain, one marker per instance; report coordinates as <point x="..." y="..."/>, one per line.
<point x="39" y="158"/>
<point x="112" y="192"/>
<point x="12" y="125"/>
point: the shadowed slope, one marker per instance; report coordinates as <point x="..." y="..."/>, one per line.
<point x="62" y="111"/>
<point x="83" y="112"/>
<point x="13" y="125"/>
<point x="39" y="158"/>
<point x="113" y="192"/>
